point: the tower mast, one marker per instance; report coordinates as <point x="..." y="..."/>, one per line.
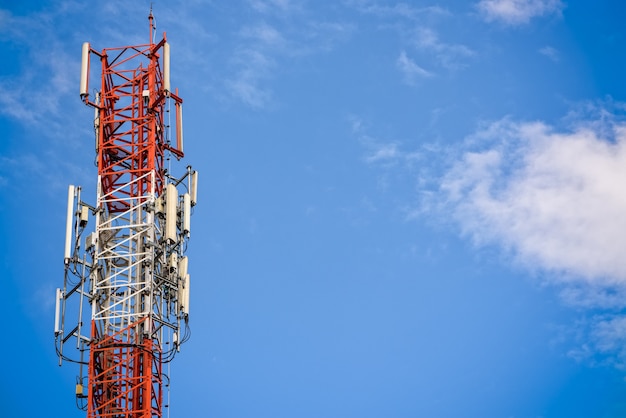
<point x="128" y="272"/>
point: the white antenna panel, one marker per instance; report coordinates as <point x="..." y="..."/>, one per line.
<point x="179" y="127"/>
<point x="186" y="214"/>
<point x="171" y="206"/>
<point x="186" y="295"/>
<point x="57" y="310"/>
<point x="183" y="264"/>
<point x="194" y="188"/>
<point x="183" y="294"/>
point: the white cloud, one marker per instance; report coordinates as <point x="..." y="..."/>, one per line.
<point x="42" y="91"/>
<point x="517" y="12"/>
<point x="399" y="9"/>
<point x="610" y="334"/>
<point x="600" y="340"/>
<point x="410" y="69"/>
<point x="554" y="199"/>
<point x="550" y="52"/>
<point x="246" y="86"/>
<point x="249" y="92"/>
<point x="450" y="56"/>
<point x="264" y="34"/>
<point x="591" y="296"/>
<point x="415" y="25"/>
<point x="262" y="49"/>
<point x="47" y="167"/>
<point x="378" y="152"/>
<point x="266" y="6"/>
<point x="384" y="152"/>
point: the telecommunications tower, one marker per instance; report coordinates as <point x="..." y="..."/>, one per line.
<point x="123" y="311"/>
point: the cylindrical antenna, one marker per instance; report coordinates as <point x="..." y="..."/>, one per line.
<point x="171" y="206"/>
<point x="68" y="224"/>
<point x="84" y="72"/>
<point x="166" y="69"/>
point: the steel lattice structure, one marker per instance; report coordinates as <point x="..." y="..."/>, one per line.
<point x="129" y="273"/>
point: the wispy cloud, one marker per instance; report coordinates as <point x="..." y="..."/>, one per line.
<point x="44" y="89"/>
<point x="48" y="168"/>
<point x="385" y="152"/>
<point x="25" y="97"/>
<point x="269" y="6"/>
<point x="260" y="45"/>
<point x="377" y="151"/>
<point x="396" y="10"/>
<point x="264" y="34"/>
<point x="278" y="30"/>
<point x="411" y="71"/>
<point x="450" y="56"/>
<point x="381" y="152"/>
<point x="254" y="67"/>
<point x="598" y="339"/>
<point x="518" y="12"/>
<point x="550" y="52"/>
<point x="417" y="29"/>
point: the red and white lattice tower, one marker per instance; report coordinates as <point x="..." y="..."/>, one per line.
<point x="126" y="273"/>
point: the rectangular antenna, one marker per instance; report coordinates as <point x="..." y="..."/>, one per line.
<point x="57" y="310"/>
<point x="186" y="214"/>
<point x="183" y="264"/>
<point x="194" y="188"/>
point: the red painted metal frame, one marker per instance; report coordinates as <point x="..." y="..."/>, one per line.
<point x="124" y="375"/>
<point x="131" y="137"/>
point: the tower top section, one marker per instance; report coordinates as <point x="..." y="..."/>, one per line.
<point x="133" y="115"/>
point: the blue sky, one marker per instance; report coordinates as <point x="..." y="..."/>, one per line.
<point x="406" y="209"/>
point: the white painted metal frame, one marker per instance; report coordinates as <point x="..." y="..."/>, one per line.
<point x="124" y="256"/>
